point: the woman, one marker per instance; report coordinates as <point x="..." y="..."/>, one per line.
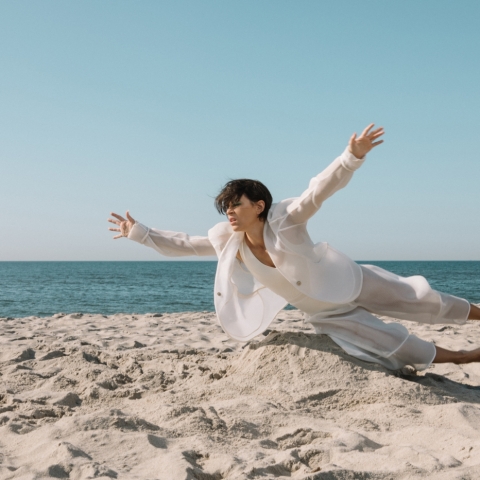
<point x="267" y="260"/>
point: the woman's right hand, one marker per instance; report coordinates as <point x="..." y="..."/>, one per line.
<point x="125" y="225"/>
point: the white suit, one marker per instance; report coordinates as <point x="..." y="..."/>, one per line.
<point x="245" y="307"/>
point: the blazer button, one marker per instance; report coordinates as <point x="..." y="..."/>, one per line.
<point x="299" y="282"/>
<point x="219" y="294"/>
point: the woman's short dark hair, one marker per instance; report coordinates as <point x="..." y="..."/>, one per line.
<point x="252" y="189"/>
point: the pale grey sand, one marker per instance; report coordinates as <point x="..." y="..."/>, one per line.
<point x="172" y="397"/>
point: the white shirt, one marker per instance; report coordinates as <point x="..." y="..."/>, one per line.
<point x="275" y="281"/>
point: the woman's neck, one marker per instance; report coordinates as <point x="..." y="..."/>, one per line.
<point x="254" y="235"/>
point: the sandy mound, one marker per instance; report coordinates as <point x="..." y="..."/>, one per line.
<point x="171" y="397"/>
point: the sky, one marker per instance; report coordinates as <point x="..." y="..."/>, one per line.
<point x="152" y="106"/>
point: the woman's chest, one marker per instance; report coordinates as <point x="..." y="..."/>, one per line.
<point x="262" y="256"/>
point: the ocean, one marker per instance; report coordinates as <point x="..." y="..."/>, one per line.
<point x="44" y="288"/>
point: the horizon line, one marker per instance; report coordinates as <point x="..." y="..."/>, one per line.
<point x="203" y="261"/>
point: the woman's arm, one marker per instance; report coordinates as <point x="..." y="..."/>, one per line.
<point x="335" y="176"/>
<point x="171" y="244"/>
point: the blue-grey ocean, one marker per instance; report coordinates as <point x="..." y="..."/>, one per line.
<point x="45" y="288"/>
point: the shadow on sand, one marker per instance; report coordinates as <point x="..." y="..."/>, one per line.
<point x="437" y="384"/>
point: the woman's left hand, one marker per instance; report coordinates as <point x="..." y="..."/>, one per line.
<point x="360" y="146"/>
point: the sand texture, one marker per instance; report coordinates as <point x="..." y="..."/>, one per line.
<point x="171" y="397"/>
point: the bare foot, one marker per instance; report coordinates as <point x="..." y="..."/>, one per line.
<point x="458" y="357"/>
<point x="470" y="356"/>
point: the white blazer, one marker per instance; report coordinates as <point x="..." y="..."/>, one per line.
<point x="244" y="307"/>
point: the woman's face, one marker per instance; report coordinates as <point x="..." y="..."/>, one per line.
<point x="243" y="214"/>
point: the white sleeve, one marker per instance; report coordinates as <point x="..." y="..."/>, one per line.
<point x="171" y="244"/>
<point x="324" y="185"/>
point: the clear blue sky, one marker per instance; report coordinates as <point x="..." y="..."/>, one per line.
<point x="153" y="106"/>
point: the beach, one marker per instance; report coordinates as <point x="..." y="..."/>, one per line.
<point x="171" y="396"/>
<point x="165" y="161"/>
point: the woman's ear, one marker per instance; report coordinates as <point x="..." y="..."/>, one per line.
<point x="260" y="206"/>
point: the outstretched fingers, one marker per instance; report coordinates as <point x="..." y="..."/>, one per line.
<point x="368" y="139"/>
<point x="377" y="130"/>
<point x="125" y="224"/>
<point x="116" y="215"/>
<point x="130" y="218"/>
<point x="366" y="130"/>
<point x="376" y="134"/>
<point x="352" y="139"/>
<point x="116" y="230"/>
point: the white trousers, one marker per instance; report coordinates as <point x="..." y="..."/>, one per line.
<point x="364" y="336"/>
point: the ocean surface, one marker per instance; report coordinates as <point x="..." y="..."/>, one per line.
<point x="45" y="288"/>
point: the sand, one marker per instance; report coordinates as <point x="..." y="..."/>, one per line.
<point x="172" y="397"/>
